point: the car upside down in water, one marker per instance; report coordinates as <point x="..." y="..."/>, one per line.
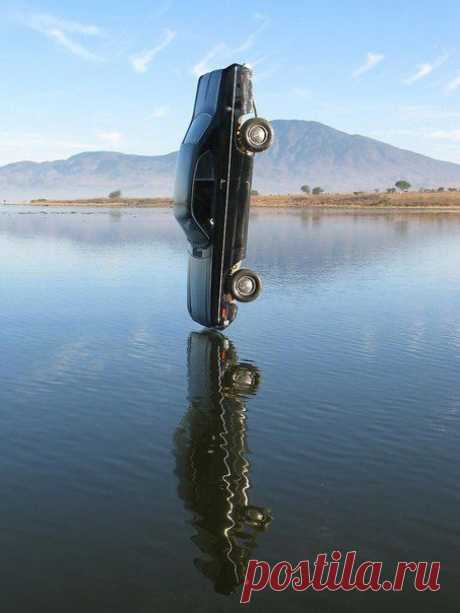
<point x="213" y="191"/>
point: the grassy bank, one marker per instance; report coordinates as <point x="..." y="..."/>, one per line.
<point x="437" y="200"/>
<point x="106" y="202"/>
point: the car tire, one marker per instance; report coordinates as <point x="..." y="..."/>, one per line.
<point x="242" y="379"/>
<point x="255" y="135"/>
<point x="245" y="285"/>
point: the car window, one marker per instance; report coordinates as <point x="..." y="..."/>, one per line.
<point x="204" y="170"/>
<point x="197" y="128"/>
<point x="204" y="193"/>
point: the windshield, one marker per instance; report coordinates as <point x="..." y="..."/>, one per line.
<point x="207" y="95"/>
<point x="207" y="98"/>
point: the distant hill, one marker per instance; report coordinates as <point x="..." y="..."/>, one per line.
<point x="303" y="152"/>
<point x="87" y="175"/>
<point x="312" y="153"/>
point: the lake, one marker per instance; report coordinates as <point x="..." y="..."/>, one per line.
<point x="143" y="462"/>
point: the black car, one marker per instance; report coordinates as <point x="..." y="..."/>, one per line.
<point x="213" y="190"/>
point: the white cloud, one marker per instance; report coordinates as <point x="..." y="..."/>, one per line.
<point x="450" y="135"/>
<point x="142" y="61"/>
<point x="423" y="70"/>
<point x="221" y="49"/>
<point x="454" y="84"/>
<point x="58" y="30"/>
<point x="110" y="138"/>
<point x="204" y="64"/>
<point x="250" y="40"/>
<point x="60" y="37"/>
<point x="43" y="22"/>
<point x="159" y="112"/>
<point x="371" y="62"/>
<point x="246" y="44"/>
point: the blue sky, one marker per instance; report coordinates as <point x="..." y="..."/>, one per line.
<point x="117" y="75"/>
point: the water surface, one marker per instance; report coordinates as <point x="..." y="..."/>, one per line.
<point x="143" y="462"/>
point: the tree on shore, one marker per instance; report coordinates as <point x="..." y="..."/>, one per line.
<point x="317" y="190"/>
<point x="115" y="195"/>
<point x="403" y="185"/>
<point x="305" y="189"/>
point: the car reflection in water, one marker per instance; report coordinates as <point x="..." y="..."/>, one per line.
<point x="211" y="463"/>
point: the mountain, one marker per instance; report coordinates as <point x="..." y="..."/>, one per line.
<point x="89" y="174"/>
<point x="312" y="153"/>
<point x="303" y="152"/>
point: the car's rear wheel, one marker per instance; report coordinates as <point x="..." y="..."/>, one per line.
<point x="245" y="285"/>
<point x="256" y="135"/>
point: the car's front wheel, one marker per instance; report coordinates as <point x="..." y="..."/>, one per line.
<point x="255" y="135"/>
<point x="245" y="285"/>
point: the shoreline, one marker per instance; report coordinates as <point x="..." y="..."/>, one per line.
<point x="406" y="201"/>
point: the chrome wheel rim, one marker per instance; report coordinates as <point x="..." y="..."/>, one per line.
<point x="244" y="378"/>
<point x="246" y="286"/>
<point x="257" y="135"/>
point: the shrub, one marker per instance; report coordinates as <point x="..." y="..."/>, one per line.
<point x="115" y="195"/>
<point x="403" y="185"/>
